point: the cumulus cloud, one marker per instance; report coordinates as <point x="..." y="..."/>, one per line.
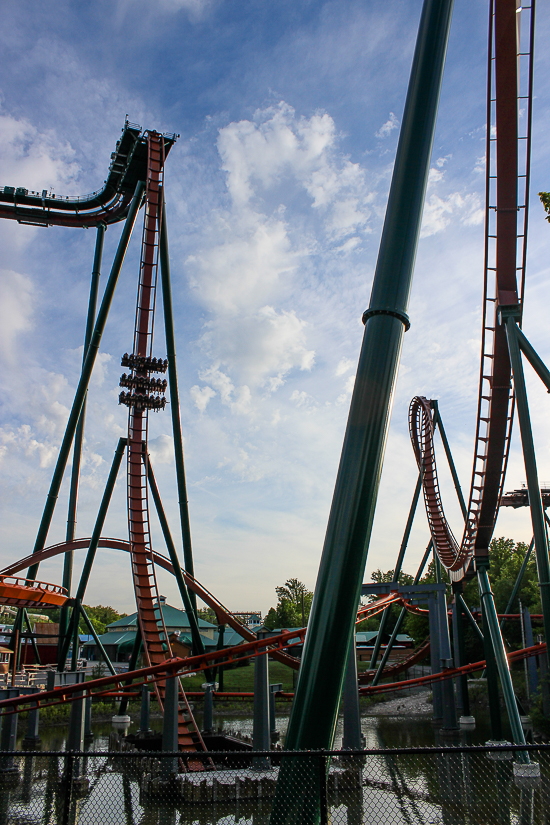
<point x="344" y="365"/>
<point x="387" y="127"/>
<point x="34" y="158"/>
<point x="16" y="308"/>
<point x="161" y="449"/>
<point x="201" y="396"/>
<point x="245" y="267"/>
<point x="261" y="347"/>
<point x="277" y="145"/>
<point x="440" y="211"/>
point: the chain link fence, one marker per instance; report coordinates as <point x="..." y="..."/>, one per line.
<point x="417" y="786"/>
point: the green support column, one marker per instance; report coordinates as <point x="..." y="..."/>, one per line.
<point x="79" y="434"/>
<point x="439" y="423"/>
<point x="314" y="712"/>
<point x="94" y="541"/>
<point x="517" y="585"/>
<point x="397" y="571"/>
<point x="175" y="403"/>
<point x="100" y="520"/>
<point x="198" y="644"/>
<point x="509" y="316"/>
<point x="503" y="667"/>
<point x="400" y="619"/>
<point x="85" y="376"/>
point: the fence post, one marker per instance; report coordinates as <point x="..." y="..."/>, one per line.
<point x="323" y="795"/>
<point x="145" y="713"/>
<point x="169" y="765"/>
<point x="67" y="796"/>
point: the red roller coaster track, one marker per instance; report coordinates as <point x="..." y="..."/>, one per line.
<point x="505" y="245"/>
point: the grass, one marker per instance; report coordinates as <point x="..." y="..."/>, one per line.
<point x="241" y="679"/>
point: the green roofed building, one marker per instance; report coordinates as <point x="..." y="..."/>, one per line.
<point x="119" y="637"/>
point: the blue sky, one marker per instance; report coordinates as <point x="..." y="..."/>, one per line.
<point x="289" y="116"/>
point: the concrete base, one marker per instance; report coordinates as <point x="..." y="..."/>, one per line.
<point x="527" y="776"/>
<point x="34" y="744"/>
<point x="9" y="778"/>
<point x="499" y="755"/>
<point x="230" y="785"/>
<point x="526" y="723"/>
<point x="467" y="722"/>
<point x="449" y="733"/>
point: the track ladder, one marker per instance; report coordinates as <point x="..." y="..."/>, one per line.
<point x="144" y="393"/>
<point x="509" y="91"/>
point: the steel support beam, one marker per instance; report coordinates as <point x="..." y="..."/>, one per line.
<point x="79" y="434"/>
<point x="401" y="618"/>
<point x="503" y="667"/>
<point x="517" y="585"/>
<point x="332" y="620"/>
<point x="198" y="644"/>
<point x="175" y="403"/>
<point x="100" y="520"/>
<point x="439" y="423"/>
<point x="397" y="570"/>
<point x="352" y="739"/>
<point x="509" y="317"/>
<point x="85" y="376"/>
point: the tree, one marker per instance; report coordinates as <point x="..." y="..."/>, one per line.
<point x="293" y="606"/>
<point x="545" y="199"/>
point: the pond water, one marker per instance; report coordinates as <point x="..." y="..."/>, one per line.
<point x="380" y="731"/>
<point x="409" y="789"/>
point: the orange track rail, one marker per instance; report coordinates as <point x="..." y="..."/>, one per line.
<point x="506" y="217"/>
<point x="153" y="631"/>
<point x="24" y="593"/>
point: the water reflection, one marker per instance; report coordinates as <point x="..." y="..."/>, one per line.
<point x="450" y="788"/>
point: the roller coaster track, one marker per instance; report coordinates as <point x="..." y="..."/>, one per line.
<point x="223" y="615"/>
<point x="145" y="393"/>
<point x="107" y="205"/>
<point x="506" y="218"/>
<point x="22" y="593"/>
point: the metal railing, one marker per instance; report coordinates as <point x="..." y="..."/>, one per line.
<point x="467" y="785"/>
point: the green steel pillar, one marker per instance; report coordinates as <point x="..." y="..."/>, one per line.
<point x="400" y="619"/>
<point x="175" y="403"/>
<point x="517" y="585"/>
<point x="332" y="619"/>
<point x="85" y="375"/>
<point x="198" y="644"/>
<point x="79" y="434"/>
<point x="397" y="571"/>
<point x="509" y="316"/>
<point x="100" y="520"/>
<point x="488" y="602"/>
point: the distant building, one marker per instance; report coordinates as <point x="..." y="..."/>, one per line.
<point x="251" y="618"/>
<point x="119" y="637"/>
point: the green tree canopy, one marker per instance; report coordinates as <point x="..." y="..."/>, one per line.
<point x="293" y="605"/>
<point x="545" y="199"/>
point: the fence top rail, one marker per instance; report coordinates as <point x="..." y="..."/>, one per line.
<point x="509" y="746"/>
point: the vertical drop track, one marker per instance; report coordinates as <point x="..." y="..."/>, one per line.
<point x="145" y="394"/>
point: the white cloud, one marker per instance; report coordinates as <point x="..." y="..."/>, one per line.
<point x="201" y="396"/>
<point x="440" y="211"/>
<point x="161" y="449"/>
<point x="261" y="348"/>
<point x="245" y="267"/>
<point x="16" y="309"/>
<point x="387" y="127"/>
<point x="344" y="365"/>
<point x="34" y="158"/>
